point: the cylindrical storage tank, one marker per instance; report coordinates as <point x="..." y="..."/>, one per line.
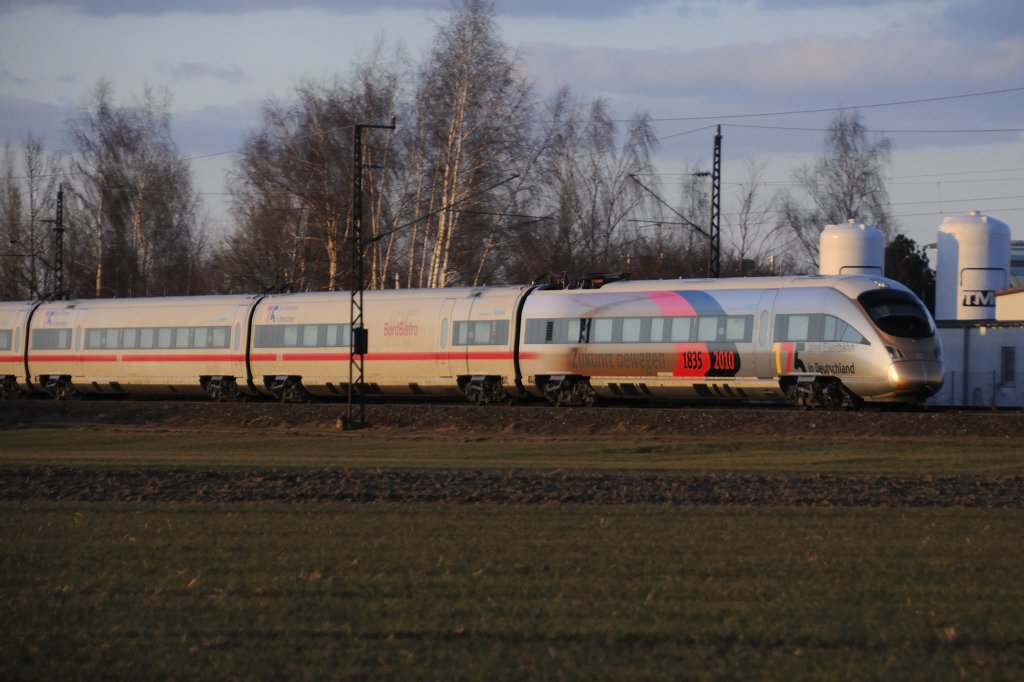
<point x="851" y="249"/>
<point x="973" y="264"/>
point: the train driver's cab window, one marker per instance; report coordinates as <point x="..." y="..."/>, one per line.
<point x="897" y="313"/>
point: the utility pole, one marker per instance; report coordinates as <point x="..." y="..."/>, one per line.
<point x="358" y="336"/>
<point x="715" y="238"/>
<point x="58" y="291"/>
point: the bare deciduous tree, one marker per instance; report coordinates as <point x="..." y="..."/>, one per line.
<point x="847" y="182"/>
<point x="31" y="176"/>
<point x="137" y="189"/>
<point x="472" y="121"/>
<point x="583" y="185"/>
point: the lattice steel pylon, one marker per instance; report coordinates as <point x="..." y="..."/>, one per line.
<point x="715" y="228"/>
<point x="358" y="337"/>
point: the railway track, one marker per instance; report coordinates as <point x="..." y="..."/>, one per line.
<point x="517" y="421"/>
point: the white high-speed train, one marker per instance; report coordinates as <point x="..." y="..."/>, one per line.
<point x="825" y="341"/>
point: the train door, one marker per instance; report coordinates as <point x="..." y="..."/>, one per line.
<point x="78" y="345"/>
<point x="765" y="362"/>
<point x="444" y="368"/>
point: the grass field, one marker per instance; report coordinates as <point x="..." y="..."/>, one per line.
<point x="785" y="455"/>
<point x="252" y="591"/>
<point x="385" y="591"/>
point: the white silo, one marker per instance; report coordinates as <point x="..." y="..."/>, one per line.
<point x="973" y="264"/>
<point x="851" y="249"/>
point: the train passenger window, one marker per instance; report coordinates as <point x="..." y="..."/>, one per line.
<point x="762" y="330"/>
<point x="573" y="332"/>
<point x="5" y="339"/>
<point x="601" y="330"/>
<point x="707" y="328"/>
<point x="181" y="337"/>
<point x="736" y="329"/>
<point x="219" y="337"/>
<point x="309" y="334"/>
<point x="291" y="336"/>
<point x="631" y="330"/>
<point x="200" y="337"/>
<point x="657" y="329"/>
<point x="164" y="336"/>
<point x="565" y="330"/>
<point x="51" y="339"/>
<point x="129" y="338"/>
<point x="94" y="338"/>
<point x="484" y="332"/>
<point x="146" y="338"/>
<point x="793" y="328"/>
<point x="681" y="328"/>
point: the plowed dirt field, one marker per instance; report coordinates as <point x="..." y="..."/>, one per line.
<point x="454" y="422"/>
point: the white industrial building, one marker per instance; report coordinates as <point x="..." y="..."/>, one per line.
<point x="979" y="303"/>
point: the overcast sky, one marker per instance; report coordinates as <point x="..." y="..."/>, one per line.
<point x="689" y="63"/>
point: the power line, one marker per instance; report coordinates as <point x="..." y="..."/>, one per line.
<point x="891" y="132"/>
<point x="875" y="105"/>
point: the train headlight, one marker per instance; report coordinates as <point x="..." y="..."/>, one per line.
<point x="894" y="375"/>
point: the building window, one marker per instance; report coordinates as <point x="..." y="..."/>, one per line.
<point x="1008" y="366"/>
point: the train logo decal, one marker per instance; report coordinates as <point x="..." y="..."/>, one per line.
<point x="787" y="358"/>
<point x="630" y="363"/>
<point x="273" y="313"/>
<point x="698" y="359"/>
<point x="401" y="328"/>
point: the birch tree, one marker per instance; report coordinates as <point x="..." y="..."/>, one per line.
<point x="847" y="182"/>
<point x="583" y="184"/>
<point x="137" y="190"/>
<point x="472" y="120"/>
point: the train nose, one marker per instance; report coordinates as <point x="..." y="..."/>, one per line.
<point x="916" y="376"/>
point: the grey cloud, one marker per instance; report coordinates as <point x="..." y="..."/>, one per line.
<point x="192" y="70"/>
<point x="581" y="9"/>
<point x="801" y="75"/>
<point x="20" y="116"/>
<point x="993" y="18"/>
<point x="8" y="77"/>
<point x="215" y="129"/>
<point x="820" y="4"/>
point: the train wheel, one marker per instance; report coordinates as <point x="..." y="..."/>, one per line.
<point x="222" y="389"/>
<point x="59" y="387"/>
<point x="487" y="392"/>
<point x="9" y="389"/>
<point x="570" y="392"/>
